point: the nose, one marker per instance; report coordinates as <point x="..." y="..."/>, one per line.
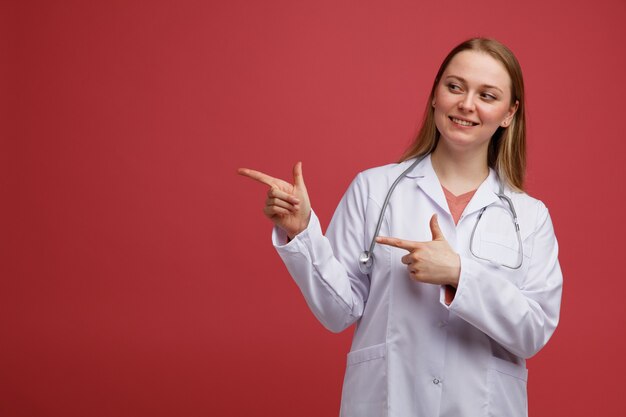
<point x="467" y="103"/>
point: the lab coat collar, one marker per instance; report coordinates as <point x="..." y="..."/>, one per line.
<point x="486" y="194"/>
<point x="426" y="178"/>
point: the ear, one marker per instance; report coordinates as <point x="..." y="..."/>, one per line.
<point x="510" y="114"/>
<point x="434" y="102"/>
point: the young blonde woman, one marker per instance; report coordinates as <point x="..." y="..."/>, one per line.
<point x="447" y="267"/>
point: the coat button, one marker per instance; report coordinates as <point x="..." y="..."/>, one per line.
<point x="436" y="381"/>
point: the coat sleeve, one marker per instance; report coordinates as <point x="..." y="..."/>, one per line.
<point x="521" y="317"/>
<point x="326" y="268"/>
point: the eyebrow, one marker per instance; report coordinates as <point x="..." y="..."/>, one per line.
<point x="463" y="80"/>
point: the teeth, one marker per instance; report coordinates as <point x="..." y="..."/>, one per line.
<point x="462" y="122"/>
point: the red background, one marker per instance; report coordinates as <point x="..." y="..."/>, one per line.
<point x="137" y="276"/>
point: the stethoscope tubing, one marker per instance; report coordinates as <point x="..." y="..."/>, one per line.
<point x="366" y="258"/>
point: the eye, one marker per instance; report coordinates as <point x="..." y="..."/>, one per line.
<point x="489" y="96"/>
<point x="454" y="87"/>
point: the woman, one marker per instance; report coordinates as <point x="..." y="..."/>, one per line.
<point x="464" y="291"/>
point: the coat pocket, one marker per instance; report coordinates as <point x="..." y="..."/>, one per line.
<point x="365" y="383"/>
<point x="500" y="249"/>
<point x="506" y="383"/>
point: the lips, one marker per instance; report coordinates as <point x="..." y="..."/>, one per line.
<point x="462" y="122"/>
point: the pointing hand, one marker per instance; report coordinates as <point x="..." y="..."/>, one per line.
<point x="432" y="262"/>
<point x="287" y="205"/>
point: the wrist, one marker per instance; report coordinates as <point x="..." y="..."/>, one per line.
<point x="456" y="272"/>
<point x="291" y="234"/>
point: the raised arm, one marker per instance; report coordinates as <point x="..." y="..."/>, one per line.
<point x="333" y="288"/>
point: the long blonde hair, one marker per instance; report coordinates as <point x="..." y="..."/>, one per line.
<point x="507" y="148"/>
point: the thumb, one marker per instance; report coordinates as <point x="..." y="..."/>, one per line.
<point x="435" y="230"/>
<point x="298" y="179"/>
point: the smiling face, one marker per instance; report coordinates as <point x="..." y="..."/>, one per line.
<point x="472" y="99"/>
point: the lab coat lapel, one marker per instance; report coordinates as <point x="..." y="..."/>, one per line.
<point x="426" y="178"/>
<point x="485" y="195"/>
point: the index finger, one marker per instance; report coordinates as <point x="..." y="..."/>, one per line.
<point x="257" y="175"/>
<point x="398" y="243"/>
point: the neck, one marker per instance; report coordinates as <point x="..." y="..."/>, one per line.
<point x="460" y="172"/>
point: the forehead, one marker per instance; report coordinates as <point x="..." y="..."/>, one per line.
<point x="479" y="68"/>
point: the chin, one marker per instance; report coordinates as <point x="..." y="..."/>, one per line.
<point x="463" y="142"/>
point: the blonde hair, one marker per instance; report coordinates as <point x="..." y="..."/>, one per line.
<point x="507" y="148"/>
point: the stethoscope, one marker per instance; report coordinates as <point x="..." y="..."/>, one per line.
<point x="366" y="259"/>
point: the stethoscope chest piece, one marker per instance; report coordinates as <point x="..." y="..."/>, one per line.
<point x="366" y="260"/>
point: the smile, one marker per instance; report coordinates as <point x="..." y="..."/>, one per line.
<point x="462" y="122"/>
